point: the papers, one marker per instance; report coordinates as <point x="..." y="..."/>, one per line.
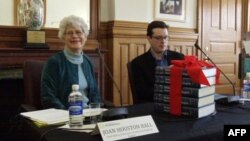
<point x="85" y="128"/>
<point x="54" y="116"/>
<point x="48" y="116"/>
<point x="93" y="112"/>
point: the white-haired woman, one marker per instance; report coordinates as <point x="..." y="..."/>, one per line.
<point x="70" y="66"/>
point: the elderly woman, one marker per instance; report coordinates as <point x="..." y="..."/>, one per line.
<point x="70" y="66"/>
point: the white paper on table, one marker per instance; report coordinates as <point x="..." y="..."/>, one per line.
<point x="48" y="116"/>
<point x="93" y="112"/>
<point x="85" y="128"/>
<point x="56" y="116"/>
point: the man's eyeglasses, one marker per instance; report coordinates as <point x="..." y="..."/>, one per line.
<point x="71" y="33"/>
<point x="160" y="38"/>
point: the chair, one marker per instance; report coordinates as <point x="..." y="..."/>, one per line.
<point x="32" y="70"/>
<point x="131" y="81"/>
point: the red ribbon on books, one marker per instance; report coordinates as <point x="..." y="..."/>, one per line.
<point x="194" y="70"/>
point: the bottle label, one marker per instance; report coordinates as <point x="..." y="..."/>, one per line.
<point x="75" y="108"/>
<point x="247" y="87"/>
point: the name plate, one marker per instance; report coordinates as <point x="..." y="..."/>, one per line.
<point x="36" y="37"/>
<point x="127" y="128"/>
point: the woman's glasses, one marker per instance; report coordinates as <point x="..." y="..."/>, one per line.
<point x="71" y="33"/>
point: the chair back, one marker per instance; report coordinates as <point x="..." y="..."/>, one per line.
<point x="32" y="71"/>
<point x="131" y="81"/>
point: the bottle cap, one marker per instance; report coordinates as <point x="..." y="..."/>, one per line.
<point x="75" y="87"/>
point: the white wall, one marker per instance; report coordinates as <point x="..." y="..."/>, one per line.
<point x="134" y="10"/>
<point x="125" y="10"/>
<point x="143" y="11"/>
<point x="57" y="9"/>
<point x="6" y="12"/>
<point x="107" y="10"/>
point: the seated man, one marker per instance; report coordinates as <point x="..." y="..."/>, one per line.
<point x="143" y="66"/>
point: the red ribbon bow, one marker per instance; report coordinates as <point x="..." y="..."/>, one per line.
<point x="194" y="70"/>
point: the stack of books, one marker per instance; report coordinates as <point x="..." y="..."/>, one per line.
<point x="197" y="99"/>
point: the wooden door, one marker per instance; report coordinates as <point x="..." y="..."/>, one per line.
<point x="220" y="35"/>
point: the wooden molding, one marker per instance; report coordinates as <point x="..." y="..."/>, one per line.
<point x="116" y="29"/>
<point x="128" y="29"/>
<point x="15" y="37"/>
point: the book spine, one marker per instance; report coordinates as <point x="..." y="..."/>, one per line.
<point x="161" y="98"/>
<point x="186" y="81"/>
<point x="165" y="71"/>
<point x="190" y="92"/>
<point x="164" y="108"/>
<point x="185" y="101"/>
<point x="186" y="111"/>
<point x="186" y="91"/>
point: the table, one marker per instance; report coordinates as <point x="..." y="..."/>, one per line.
<point x="171" y="128"/>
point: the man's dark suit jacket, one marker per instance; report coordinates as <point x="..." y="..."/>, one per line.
<point x="143" y="74"/>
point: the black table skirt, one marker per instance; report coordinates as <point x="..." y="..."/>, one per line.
<point x="171" y="128"/>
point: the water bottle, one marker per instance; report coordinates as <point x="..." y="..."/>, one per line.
<point x="75" y="107"/>
<point x="246" y="85"/>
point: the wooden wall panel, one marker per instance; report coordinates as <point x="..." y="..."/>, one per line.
<point x="124" y="51"/>
<point x="245" y="16"/>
